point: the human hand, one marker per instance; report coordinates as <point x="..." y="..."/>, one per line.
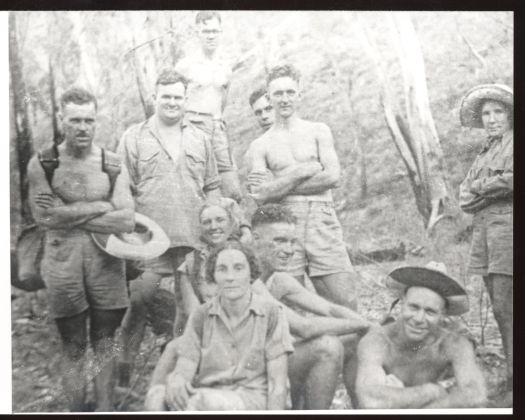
<point x="155" y="398"/>
<point x="178" y="392"/>
<point x="438" y="390"/>
<point x="45" y="200"/>
<point x="447" y="383"/>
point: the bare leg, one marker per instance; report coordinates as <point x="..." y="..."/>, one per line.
<point x="350" y="365"/>
<point x="180" y="317"/>
<point x="134" y="323"/>
<point x="314" y="367"/>
<point x="499" y="287"/>
<point x="339" y="288"/>
<point x="73" y="332"/>
<point x="102" y="330"/>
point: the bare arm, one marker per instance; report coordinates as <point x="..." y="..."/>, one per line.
<point x="281" y="186"/>
<point x="189" y="299"/>
<point x="470" y="390"/>
<point x="165" y="365"/>
<point x="50" y="211"/>
<point x="371" y="382"/>
<point x="277" y="373"/>
<point x="329" y="177"/>
<point x="122" y="218"/>
<point x="311" y="302"/>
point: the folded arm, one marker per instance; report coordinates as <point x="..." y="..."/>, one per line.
<point x="329" y="177"/>
<point x="372" y="387"/>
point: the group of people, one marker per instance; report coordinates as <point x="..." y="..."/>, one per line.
<point x="248" y="331"/>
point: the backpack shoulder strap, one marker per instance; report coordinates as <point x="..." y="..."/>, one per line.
<point x="48" y="159"/>
<point x="111" y="165"/>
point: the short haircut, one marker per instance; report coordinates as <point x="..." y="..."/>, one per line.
<point x="77" y="95"/>
<point x="211" y="263"/>
<point x="272" y="213"/>
<point x="169" y="77"/>
<point x="285" y="70"/>
<point x="205" y="15"/>
<point x="508" y="108"/>
<point x="256" y="95"/>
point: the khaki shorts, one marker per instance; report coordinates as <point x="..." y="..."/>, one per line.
<point x="215" y="130"/>
<point x="491" y="251"/>
<point x="78" y="275"/>
<point x="164" y="264"/>
<point x="320" y="248"/>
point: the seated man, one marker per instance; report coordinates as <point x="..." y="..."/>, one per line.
<point x="403" y="364"/>
<point x="315" y="365"/>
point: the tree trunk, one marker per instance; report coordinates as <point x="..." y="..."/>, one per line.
<point x="57" y="137"/>
<point x="23" y="138"/>
<point x="415" y="136"/>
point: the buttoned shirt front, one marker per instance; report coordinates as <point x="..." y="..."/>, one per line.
<point x="491" y="177"/>
<point x="235" y="357"/>
<point x="168" y="187"/>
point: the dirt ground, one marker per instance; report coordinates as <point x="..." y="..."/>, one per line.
<point x="36" y="348"/>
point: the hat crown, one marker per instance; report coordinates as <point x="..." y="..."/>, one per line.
<point x="437" y="266"/>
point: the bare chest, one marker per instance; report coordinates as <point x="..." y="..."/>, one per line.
<point x="76" y="180"/>
<point x="415" y="368"/>
<point x="210" y="74"/>
<point x="285" y="149"/>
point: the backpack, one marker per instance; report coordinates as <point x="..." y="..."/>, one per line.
<point x="30" y="243"/>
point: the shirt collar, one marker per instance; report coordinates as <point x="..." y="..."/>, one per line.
<point x="256" y="305"/>
<point x="152" y="125"/>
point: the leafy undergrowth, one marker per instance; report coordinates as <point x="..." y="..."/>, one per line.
<point x="36" y="347"/>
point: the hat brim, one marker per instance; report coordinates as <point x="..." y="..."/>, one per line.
<point x="469" y="113"/>
<point x="447" y="287"/>
<point x="114" y="245"/>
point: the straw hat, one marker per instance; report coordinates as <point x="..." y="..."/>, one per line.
<point x="147" y="241"/>
<point x="434" y="277"/>
<point x="469" y="113"/>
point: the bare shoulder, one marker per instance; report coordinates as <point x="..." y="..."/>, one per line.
<point x="454" y="344"/>
<point x="375" y="343"/>
<point x="285" y="280"/>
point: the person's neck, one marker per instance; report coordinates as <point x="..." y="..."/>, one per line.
<point x="286" y="123"/>
<point x="78" y="152"/>
<point x="168" y="125"/>
<point x="208" y="54"/>
<point x="236" y="308"/>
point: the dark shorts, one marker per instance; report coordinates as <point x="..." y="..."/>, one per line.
<point x="78" y="275"/>
<point x="491" y="251"/>
<point x="216" y="131"/>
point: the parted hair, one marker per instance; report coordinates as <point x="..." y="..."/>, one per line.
<point x="272" y="213"/>
<point x="253" y="263"/>
<point x="77" y="95"/>
<point x="284" y="70"/>
<point x="169" y="76"/>
<point x="205" y="15"/>
<point x="257" y="94"/>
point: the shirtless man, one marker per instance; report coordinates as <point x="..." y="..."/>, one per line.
<point x="301" y="156"/>
<point x="82" y="281"/>
<point x="406" y="364"/>
<point x="315" y="365"/>
<point x="209" y="80"/>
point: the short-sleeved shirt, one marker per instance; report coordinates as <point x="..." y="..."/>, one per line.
<point x="236" y="358"/>
<point x="491" y="176"/>
<point x="166" y="187"/>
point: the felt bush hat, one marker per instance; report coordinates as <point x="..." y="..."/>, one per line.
<point x="470" y="109"/>
<point x="148" y="240"/>
<point x="434" y="277"/>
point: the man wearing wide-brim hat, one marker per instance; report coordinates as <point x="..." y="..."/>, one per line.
<point x="415" y="362"/>
<point x="487" y="193"/>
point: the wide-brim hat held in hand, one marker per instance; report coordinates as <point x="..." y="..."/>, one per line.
<point x="148" y="240"/>
<point x="470" y="110"/>
<point x="434" y="277"/>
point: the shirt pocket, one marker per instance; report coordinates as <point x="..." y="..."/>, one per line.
<point x="148" y="163"/>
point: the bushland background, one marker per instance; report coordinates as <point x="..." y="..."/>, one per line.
<point x="349" y="61"/>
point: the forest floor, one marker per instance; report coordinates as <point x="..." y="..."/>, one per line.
<point x="36" y="347"/>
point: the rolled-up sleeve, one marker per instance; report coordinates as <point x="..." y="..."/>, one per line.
<point x="278" y="339"/>
<point x="190" y="343"/>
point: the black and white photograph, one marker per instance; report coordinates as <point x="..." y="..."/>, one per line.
<point x="261" y="210"/>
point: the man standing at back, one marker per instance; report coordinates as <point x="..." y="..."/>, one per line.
<point x="173" y="171"/>
<point x="301" y="156"/>
<point x="77" y="188"/>
<point x="209" y="81"/>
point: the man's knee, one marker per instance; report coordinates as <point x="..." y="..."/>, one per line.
<point x="74" y="348"/>
<point x="329" y="348"/>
